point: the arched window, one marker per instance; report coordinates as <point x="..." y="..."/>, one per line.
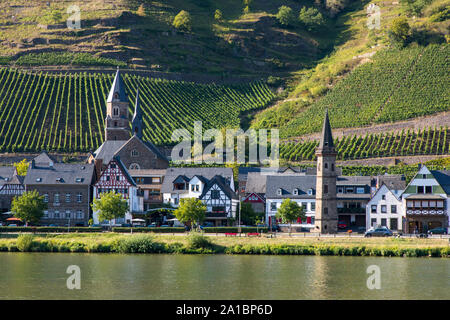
<point x="116" y="95"/>
<point x="115" y="111"/>
<point x="134" y="166"/>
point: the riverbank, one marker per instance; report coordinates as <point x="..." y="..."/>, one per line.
<point x="198" y="244"/>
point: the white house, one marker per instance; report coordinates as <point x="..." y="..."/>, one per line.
<point x="385" y="208"/>
<point x="213" y="186"/>
<point x="116" y="177"/>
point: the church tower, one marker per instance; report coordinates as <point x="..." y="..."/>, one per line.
<point x="326" y="211"/>
<point x="137" y="123"/>
<point x="116" y="123"/>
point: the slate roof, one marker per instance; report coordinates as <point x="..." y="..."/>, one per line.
<point x="118" y="86"/>
<point x="326" y="144"/>
<point x="353" y="181"/>
<point x="288" y="183"/>
<point x="207" y="173"/>
<point x="44" y="159"/>
<point x="6" y="173"/>
<point x="68" y="173"/>
<point x="223" y="184"/>
<point x="244" y="171"/>
<point x="256" y="183"/>
<point x="443" y="178"/>
<point x="108" y="149"/>
<point x="392" y="181"/>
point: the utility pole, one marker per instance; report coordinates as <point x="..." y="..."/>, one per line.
<point x="239" y="225"/>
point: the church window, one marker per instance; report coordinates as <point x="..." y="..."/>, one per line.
<point x="332" y="167"/>
<point x="325" y="210"/>
<point x="325" y="188"/>
<point x="115" y="111"/>
<point x="326" y="165"/>
<point x="116" y="95"/>
<point x="115" y="123"/>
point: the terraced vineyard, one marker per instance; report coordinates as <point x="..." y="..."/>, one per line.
<point x="66" y="112"/>
<point x="404" y="143"/>
<point x="396" y="85"/>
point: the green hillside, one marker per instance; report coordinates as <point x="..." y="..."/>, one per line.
<point x="67" y="112"/>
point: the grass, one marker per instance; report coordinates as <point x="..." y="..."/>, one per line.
<point x="194" y="244"/>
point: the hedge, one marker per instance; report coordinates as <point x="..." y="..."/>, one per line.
<point x="144" y="229"/>
<point x="234" y="229"/>
<point x="50" y="229"/>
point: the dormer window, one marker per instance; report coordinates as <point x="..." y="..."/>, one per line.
<point x="79" y="180"/>
<point x="38" y="179"/>
<point x="279" y="192"/>
<point x="116" y="95"/>
<point x="295" y="192"/>
<point x="310" y="192"/>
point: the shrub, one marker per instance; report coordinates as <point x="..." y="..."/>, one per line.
<point x="198" y="241"/>
<point x="285" y="16"/>
<point x="234" y="229"/>
<point x="182" y="21"/>
<point x="25" y="242"/>
<point x="399" y="31"/>
<point x="137" y="244"/>
<point x="144" y="229"/>
<point x="311" y="18"/>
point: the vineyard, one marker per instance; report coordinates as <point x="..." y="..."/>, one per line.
<point x="395" y="85"/>
<point x="66" y="112"/>
<point x="405" y="143"/>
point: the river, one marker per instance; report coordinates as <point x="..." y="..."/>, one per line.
<point x="115" y="276"/>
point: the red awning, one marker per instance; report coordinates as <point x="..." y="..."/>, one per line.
<point x="13" y="219"/>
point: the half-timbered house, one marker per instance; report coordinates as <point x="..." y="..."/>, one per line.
<point x="11" y="185"/>
<point x="116" y="178"/>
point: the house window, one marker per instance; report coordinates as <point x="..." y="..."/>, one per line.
<point x="80" y="214"/>
<point x="313" y="206"/>
<point x="295" y="192"/>
<point x="383" y="197"/>
<point x="360" y="190"/>
<point x="175" y="201"/>
<point x="424" y="176"/>
<point x="134" y="153"/>
<point x="273" y="206"/>
<point x="373" y="208"/>
<point x="56" y="214"/>
<point x="394" y="224"/>
<point x="420" y="189"/>
<point x="310" y="192"/>
<point x="349" y="190"/>
<point x="67" y="197"/>
<point x="68" y="214"/>
<point x="383" y="208"/>
<point x="56" y="197"/>
<point x="393" y="208"/>
<point x="373" y="222"/>
<point x="383" y="222"/>
<point x="156" y="180"/>
<point x="340" y="190"/>
<point x="215" y="194"/>
<point x="197" y="188"/>
<point x="279" y="192"/>
<point x="79" y="197"/>
<point x="218" y="209"/>
<point x="46" y="197"/>
<point x="192" y="187"/>
<point x="428" y="189"/>
<point x="45" y="214"/>
<point x="117" y="178"/>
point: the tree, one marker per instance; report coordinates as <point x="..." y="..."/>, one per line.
<point x="218" y="15"/>
<point x="248" y="215"/>
<point x="182" y="21"/>
<point x="311" y="18"/>
<point x="190" y="210"/>
<point x="290" y="211"/>
<point x="110" y="205"/>
<point x="399" y="31"/>
<point x="415" y="7"/>
<point x="22" y="167"/>
<point x="285" y="16"/>
<point x="29" y="207"/>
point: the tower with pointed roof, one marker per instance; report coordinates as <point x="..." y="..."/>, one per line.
<point x="326" y="210"/>
<point x="136" y="123"/>
<point x="116" y="123"/>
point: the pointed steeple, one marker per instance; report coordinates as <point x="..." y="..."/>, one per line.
<point x="326" y="142"/>
<point x="117" y="91"/>
<point x="136" y="122"/>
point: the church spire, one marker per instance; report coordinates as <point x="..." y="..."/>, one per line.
<point x="117" y="91"/>
<point x="326" y="142"/>
<point x="136" y="122"/>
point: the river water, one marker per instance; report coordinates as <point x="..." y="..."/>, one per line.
<point x="115" y="276"/>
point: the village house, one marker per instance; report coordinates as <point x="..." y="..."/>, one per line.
<point x="67" y="190"/>
<point x="386" y="209"/>
<point x="11" y="185"/>
<point x="213" y="186"/>
<point x="426" y="200"/>
<point x="116" y="178"/>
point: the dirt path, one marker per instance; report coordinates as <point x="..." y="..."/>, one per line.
<point x="438" y="119"/>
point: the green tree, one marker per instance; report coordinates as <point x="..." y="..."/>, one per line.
<point x="290" y="211"/>
<point x="29" y="207"/>
<point x="248" y="215"/>
<point x="110" y="205"/>
<point x="415" y="7"/>
<point x="399" y="31"/>
<point x="218" y="15"/>
<point x="182" y="21"/>
<point x="285" y="16"/>
<point x="22" y="167"/>
<point x="311" y="18"/>
<point x="190" y="210"/>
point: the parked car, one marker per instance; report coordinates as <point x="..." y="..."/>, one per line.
<point x="152" y="225"/>
<point x="342" y="225"/>
<point x="275" y="228"/>
<point x="164" y="225"/>
<point x="12" y="225"/>
<point x="438" y="230"/>
<point x="379" y="232"/>
<point x="126" y="225"/>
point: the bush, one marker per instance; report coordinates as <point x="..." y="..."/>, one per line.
<point x="285" y="16"/>
<point x="311" y="18"/>
<point x="234" y="229"/>
<point x="155" y="230"/>
<point x="182" y="21"/>
<point x="50" y="229"/>
<point x="25" y="242"/>
<point x="137" y="244"/>
<point x="198" y="241"/>
<point x="399" y="31"/>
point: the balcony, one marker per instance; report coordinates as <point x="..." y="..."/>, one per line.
<point x="425" y="211"/>
<point x="352" y="210"/>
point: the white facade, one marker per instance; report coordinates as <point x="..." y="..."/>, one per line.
<point x="135" y="204"/>
<point x="386" y="209"/>
<point x="272" y="206"/>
